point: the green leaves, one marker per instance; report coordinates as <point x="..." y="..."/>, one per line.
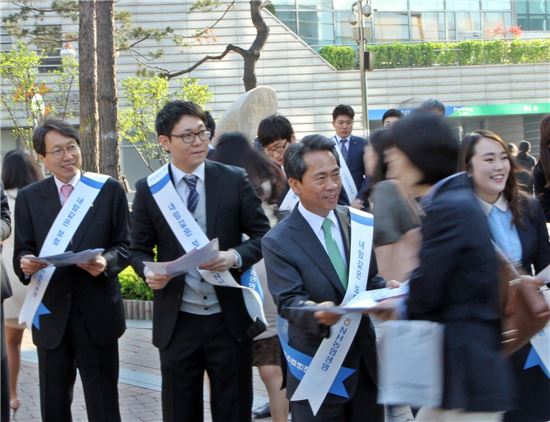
<point x="132" y="286"/>
<point x="145" y="96"/>
<point x="341" y="57"/>
<point x="464" y="53"/>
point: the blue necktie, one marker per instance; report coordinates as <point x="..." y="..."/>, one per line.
<point x="193" y="197"/>
<point x="343" y="148"/>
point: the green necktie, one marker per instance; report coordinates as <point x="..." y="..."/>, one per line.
<point x="334" y="253"/>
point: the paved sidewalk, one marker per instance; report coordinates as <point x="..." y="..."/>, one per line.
<point x="139" y="382"/>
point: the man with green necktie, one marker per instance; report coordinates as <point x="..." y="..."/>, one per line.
<point x="307" y="257"/>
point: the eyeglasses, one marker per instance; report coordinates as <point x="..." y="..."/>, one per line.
<point x="189" y="137"/>
<point x="60" y="152"/>
<point x="274" y="149"/>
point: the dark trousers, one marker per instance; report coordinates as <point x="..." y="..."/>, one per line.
<point x="361" y="407"/>
<point x="5" y="390"/>
<point x="203" y="343"/>
<point x="98" y="368"/>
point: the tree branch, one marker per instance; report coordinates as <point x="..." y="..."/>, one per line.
<point x="138" y="58"/>
<point x="229" y="48"/>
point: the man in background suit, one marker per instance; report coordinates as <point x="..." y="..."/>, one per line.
<point x="5" y="292"/>
<point x="86" y="315"/>
<point x="301" y="271"/>
<point x="199" y="327"/>
<point x="352" y="148"/>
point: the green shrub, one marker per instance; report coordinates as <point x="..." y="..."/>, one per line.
<point x="470" y="52"/>
<point x="132" y="286"/>
<point x="341" y="57"/>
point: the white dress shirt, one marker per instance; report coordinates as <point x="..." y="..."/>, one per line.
<point x="316" y="221"/>
<point x="72" y="182"/>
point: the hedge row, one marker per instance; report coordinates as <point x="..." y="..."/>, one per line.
<point x="132" y="286"/>
<point x="464" y="53"/>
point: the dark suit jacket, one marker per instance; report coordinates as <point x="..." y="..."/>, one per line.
<point x="457" y="284"/>
<point x="356" y="166"/>
<point x="299" y="270"/>
<point x="533" y="386"/>
<point x="232" y="208"/>
<point x="5" y="230"/>
<point x="98" y="298"/>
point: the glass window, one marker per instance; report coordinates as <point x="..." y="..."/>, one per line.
<point x="450" y="27"/>
<point x="496" y="4"/>
<point x="52" y="61"/>
<point x="343" y="28"/>
<point x="468" y="25"/>
<point x="314" y="4"/>
<point x="289" y="19"/>
<point x="390" y="26"/>
<point x="396" y="5"/>
<point x="537" y="6"/>
<point x="492" y="20"/>
<point x="462" y="4"/>
<point x="427" y="26"/>
<point x="521" y="6"/>
<point x="316" y="28"/>
<point x="428" y="5"/>
<point x="284" y="5"/>
<point x="343" y="4"/>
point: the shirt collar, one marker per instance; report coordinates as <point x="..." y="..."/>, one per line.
<point x="316" y="221"/>
<point x="72" y="182"/>
<point x="338" y="139"/>
<point x="500" y="204"/>
<point x="427" y="199"/>
<point x="178" y="174"/>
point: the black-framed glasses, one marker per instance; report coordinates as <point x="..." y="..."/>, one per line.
<point x="189" y="137"/>
<point x="60" y="152"/>
<point x="273" y="149"/>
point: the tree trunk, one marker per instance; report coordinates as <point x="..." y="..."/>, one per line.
<point x="107" y="90"/>
<point x="88" y="85"/>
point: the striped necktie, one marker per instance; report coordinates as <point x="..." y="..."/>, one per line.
<point x="193" y="197"/>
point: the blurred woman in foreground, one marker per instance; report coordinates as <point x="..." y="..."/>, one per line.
<point x="456" y="282"/>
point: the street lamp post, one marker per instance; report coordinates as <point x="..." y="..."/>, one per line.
<point x="360" y="10"/>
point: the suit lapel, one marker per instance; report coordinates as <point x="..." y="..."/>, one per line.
<point x="51" y="204"/>
<point x="304" y="237"/>
<point x="213" y="191"/>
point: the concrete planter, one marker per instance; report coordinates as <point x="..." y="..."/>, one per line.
<point x="138" y="309"/>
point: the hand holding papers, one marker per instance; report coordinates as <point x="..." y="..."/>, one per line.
<point x="189" y="261"/>
<point x="67" y="258"/>
<point x="366" y="301"/>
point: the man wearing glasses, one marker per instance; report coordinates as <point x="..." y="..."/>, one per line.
<point x="79" y="317"/>
<point x="197" y="326"/>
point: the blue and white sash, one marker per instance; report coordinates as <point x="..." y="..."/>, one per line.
<point x="347" y="180"/>
<point x="325" y="373"/>
<point x="60" y="234"/>
<point x="190" y="236"/>
<point x="539" y="355"/>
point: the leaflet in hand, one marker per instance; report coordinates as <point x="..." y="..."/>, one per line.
<point x="369" y="300"/>
<point x="68" y="258"/>
<point x="186" y="262"/>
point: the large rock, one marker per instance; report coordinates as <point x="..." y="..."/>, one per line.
<point x="245" y="114"/>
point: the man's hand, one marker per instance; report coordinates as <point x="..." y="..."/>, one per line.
<point x="30" y="267"/>
<point x="357" y="203"/>
<point x="392" y="284"/>
<point x="96" y="266"/>
<point x="156" y="281"/>
<point x="224" y="261"/>
<point x="387" y="309"/>
<point x="539" y="282"/>
<point x="325" y="317"/>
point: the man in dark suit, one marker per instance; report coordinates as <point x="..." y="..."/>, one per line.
<point x="5" y="292"/>
<point x="199" y="327"/>
<point x="86" y="315"/>
<point x="301" y="270"/>
<point x="352" y="148"/>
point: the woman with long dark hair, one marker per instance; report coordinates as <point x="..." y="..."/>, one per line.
<point x="541" y="172"/>
<point x="18" y="170"/>
<point x="518" y="227"/>
<point x="265" y="175"/>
